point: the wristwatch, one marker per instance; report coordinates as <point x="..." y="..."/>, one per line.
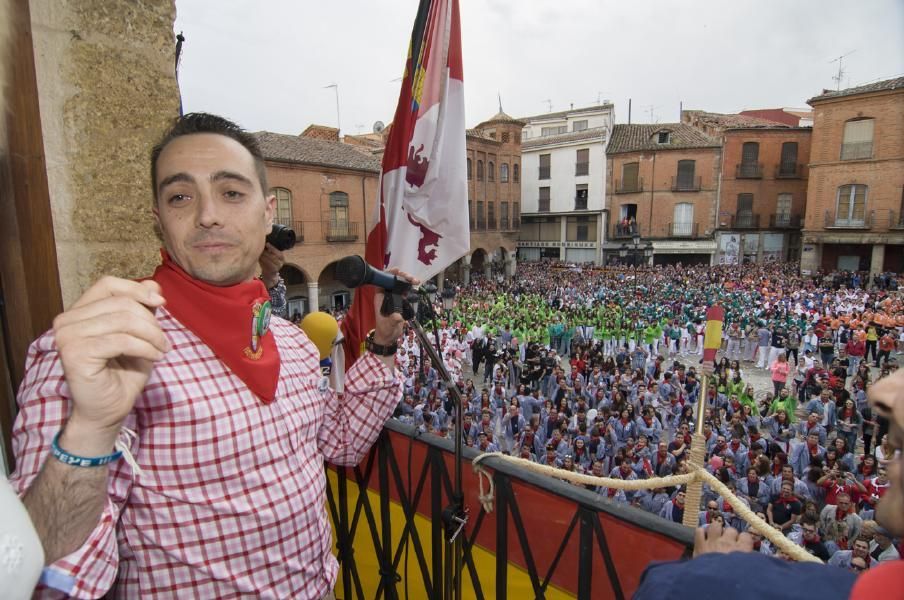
<point x="374" y="348"/>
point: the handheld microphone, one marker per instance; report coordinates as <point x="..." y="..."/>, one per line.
<point x="321" y="329"/>
<point x="353" y="271"/>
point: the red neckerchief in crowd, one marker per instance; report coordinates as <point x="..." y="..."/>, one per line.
<point x="232" y="320"/>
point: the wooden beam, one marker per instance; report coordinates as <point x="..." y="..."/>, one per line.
<point x="29" y="278"/>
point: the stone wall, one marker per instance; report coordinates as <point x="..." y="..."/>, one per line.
<point x="107" y="92"/>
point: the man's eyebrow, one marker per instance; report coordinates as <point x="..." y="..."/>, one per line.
<point x="221" y="175"/>
<point x="174" y="178"/>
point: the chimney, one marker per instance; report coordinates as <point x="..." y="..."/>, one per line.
<point x="321" y="132"/>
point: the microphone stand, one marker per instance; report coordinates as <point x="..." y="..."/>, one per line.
<point x="454" y="516"/>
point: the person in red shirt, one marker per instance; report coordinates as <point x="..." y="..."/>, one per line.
<point x="836" y="482"/>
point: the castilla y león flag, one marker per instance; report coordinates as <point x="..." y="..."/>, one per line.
<point x="421" y="224"/>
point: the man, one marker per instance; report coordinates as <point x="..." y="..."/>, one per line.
<point x="223" y="491"/>
<point x="844" y="558"/>
<point x="840" y="523"/>
<point x="803" y="453"/>
<point x="808" y="537"/>
<point x="673" y="510"/>
<point x="784" y="511"/>
<point x="881" y="548"/>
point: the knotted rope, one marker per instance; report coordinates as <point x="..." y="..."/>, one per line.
<point x="697" y="474"/>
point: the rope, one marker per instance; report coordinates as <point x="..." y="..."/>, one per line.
<point x="698" y="474"/>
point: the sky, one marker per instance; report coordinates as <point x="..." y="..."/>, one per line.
<point x="266" y="64"/>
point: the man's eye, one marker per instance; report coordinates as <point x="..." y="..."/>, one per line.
<point x="234" y="195"/>
<point x="179" y="198"/>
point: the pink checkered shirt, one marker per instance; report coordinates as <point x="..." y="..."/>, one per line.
<point x="230" y="500"/>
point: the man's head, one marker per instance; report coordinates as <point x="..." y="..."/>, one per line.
<point x="887" y="397"/>
<point x="860" y="547"/>
<point x="787" y="489"/>
<point x="211" y="205"/>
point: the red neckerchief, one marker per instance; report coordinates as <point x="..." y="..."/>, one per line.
<point x="814" y="450"/>
<point x="231" y="320"/>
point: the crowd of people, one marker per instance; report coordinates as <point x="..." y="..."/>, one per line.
<point x="591" y="370"/>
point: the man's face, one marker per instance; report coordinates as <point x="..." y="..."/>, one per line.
<point x="809" y="531"/>
<point x="787" y="472"/>
<point x="861" y="549"/>
<point x="844" y="503"/>
<point x="887" y="396"/>
<point x="786" y="491"/>
<point x="211" y="209"/>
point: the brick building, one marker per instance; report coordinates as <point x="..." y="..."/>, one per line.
<point x="325" y="190"/>
<point x="855" y="197"/>
<point x="563" y="184"/>
<point x="494" y="198"/>
<point x="662" y="183"/>
<point x="763" y="188"/>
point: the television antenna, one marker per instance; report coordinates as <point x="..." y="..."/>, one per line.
<point x="837" y="78"/>
<point x="548" y="103"/>
<point x="335" y="86"/>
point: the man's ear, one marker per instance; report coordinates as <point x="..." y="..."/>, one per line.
<point x="158" y="229"/>
<point x="271" y="208"/>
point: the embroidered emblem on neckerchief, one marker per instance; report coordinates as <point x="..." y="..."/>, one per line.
<point x="260" y="324"/>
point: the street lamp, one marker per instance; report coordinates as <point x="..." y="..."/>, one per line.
<point x="448" y="299"/>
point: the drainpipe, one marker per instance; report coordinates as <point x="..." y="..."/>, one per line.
<point x="712" y="259"/>
<point x="652" y="196"/>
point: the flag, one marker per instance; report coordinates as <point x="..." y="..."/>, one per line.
<point x="421" y="222"/>
<point x="712" y="338"/>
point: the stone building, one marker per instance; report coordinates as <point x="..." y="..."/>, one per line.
<point x="563" y="184"/>
<point x="763" y="187"/>
<point x="662" y="184"/>
<point x="855" y="197"/>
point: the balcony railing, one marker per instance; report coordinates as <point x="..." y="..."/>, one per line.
<point x="749" y="171"/>
<point x="835" y="221"/>
<point x="745" y="221"/>
<point x="504" y="224"/>
<point x="686" y="184"/>
<point x="544" y="173"/>
<point x="621" y="231"/>
<point x="516" y="223"/>
<point x="790" y="170"/>
<point x="784" y="221"/>
<point x="683" y="230"/>
<point x="629" y="187"/>
<point x="895" y="220"/>
<point x="340" y="231"/>
<point x="296" y="226"/>
<point x="580" y="202"/>
<point x="481" y="224"/>
<point x="858" y="150"/>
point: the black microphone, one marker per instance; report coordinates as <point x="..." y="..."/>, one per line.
<point x="353" y="271"/>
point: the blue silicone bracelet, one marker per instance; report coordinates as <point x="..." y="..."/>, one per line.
<point x="80" y="461"/>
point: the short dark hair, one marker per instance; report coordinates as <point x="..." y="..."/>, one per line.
<point x="193" y="123"/>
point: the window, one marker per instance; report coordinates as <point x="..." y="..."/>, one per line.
<point x="491" y="171"/>
<point x="580" y="229"/>
<point x="629" y="177"/>
<point x="579" y="125"/>
<point x="479" y="170"/>
<point x="851" y="205"/>
<point x="582" y="166"/>
<point x="505" y="137"/>
<point x="783" y="210"/>
<point x="745" y="217"/>
<point x="685" y="180"/>
<point x="491" y="215"/>
<point x="662" y="137"/>
<point x="749" y="167"/>
<point x="338" y="225"/>
<point x="504" y="216"/>
<point x="469" y="168"/>
<point x="516" y="216"/>
<point x="544" y="199"/>
<point x="788" y="165"/>
<point x="581" y="233"/>
<point x="283" y="206"/>
<point x="683" y="219"/>
<point x="858" y="139"/>
<point x="545" y="131"/>
<point x="544" y="166"/>
<point x="580" y="196"/>
<point x="481" y="221"/>
<point x="503" y="172"/>
<point x="516" y="173"/>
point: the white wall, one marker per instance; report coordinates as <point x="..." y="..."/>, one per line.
<point x="563" y="181"/>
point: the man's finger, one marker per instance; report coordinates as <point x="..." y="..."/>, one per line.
<point x="112" y="324"/>
<point x="745" y="542"/>
<point x="699" y="541"/>
<point x="730" y="534"/>
<point x="115" y="286"/>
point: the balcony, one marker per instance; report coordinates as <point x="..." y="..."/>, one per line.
<point x="784" y="221"/>
<point x="481" y="225"/>
<point x="834" y="221"/>
<point x="582" y="168"/>
<point x="686" y="184"/>
<point x="296" y="226"/>
<point x="629" y="187"/>
<point x="516" y="224"/>
<point x="749" y="171"/>
<point x="685" y="230"/>
<point x="620" y="232"/>
<point x="745" y="221"/>
<point x="580" y="202"/>
<point x="544" y="173"/>
<point x="340" y="231"/>
<point x="789" y="170"/>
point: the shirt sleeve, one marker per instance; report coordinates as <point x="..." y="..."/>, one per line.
<point x="44" y="407"/>
<point x="353" y="420"/>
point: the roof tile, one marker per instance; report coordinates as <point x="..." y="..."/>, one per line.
<point x="632" y="138"/>
<point x="308" y="151"/>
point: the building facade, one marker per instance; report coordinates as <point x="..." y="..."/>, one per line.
<point x="855" y="197"/>
<point x="563" y="185"/>
<point x="662" y="184"/>
<point x="763" y="186"/>
<point x="325" y="190"/>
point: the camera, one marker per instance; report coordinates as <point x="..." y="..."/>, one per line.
<point x="281" y="237"/>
